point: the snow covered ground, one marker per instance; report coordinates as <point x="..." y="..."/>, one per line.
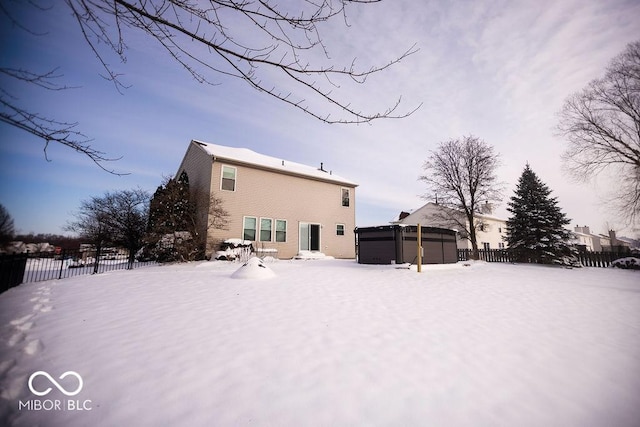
<point x="324" y="343"/>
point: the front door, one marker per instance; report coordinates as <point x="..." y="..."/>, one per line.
<point x="309" y="237"/>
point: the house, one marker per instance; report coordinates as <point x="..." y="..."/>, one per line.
<point x="276" y="204"/>
<point x="587" y="241"/>
<point x="490" y="230"/>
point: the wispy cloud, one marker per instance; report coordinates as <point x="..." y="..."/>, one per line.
<point x="497" y="69"/>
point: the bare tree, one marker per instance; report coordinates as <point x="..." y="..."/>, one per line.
<point x="209" y="214"/>
<point x="602" y="126"/>
<point x="262" y="42"/>
<point x="7" y="230"/>
<point x="119" y="218"/>
<point x="462" y="172"/>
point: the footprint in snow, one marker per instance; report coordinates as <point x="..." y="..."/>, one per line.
<point x="24" y="326"/>
<point x="21" y="320"/>
<point x="33" y="347"/>
<point x="5" y="365"/>
<point x="15" y="339"/>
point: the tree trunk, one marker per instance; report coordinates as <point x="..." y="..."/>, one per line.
<point x="472" y="237"/>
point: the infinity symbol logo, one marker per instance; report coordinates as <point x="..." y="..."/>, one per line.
<point x="55" y="383"/>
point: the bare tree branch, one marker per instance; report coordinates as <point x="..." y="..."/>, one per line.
<point x="276" y="48"/>
<point x="602" y="126"/>
<point x="49" y="130"/>
<point x="184" y="27"/>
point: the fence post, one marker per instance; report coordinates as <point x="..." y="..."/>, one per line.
<point x="95" y="265"/>
<point x="12" y="270"/>
<point x="419" y="248"/>
<point x="62" y="258"/>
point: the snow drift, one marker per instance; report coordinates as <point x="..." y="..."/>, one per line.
<point x="327" y="343"/>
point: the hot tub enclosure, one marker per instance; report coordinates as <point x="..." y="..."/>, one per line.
<point x="387" y="244"/>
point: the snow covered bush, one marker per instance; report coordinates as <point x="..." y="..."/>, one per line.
<point x="630" y="263"/>
<point x="235" y="250"/>
<point x="171" y="247"/>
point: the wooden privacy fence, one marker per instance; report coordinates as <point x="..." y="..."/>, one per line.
<point x="489" y="255"/>
<point x="600" y="259"/>
<point x="587" y="259"/>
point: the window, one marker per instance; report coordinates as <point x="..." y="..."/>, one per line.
<point x="249" y="228"/>
<point x="281" y="230"/>
<point x="486" y="246"/>
<point x="501" y="245"/>
<point x="345" y="197"/>
<point x="265" y="229"/>
<point x="228" y="178"/>
<point x="340" y="229"/>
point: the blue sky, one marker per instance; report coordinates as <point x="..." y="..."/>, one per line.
<point x="499" y="70"/>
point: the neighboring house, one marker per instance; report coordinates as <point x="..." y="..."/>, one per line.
<point x="489" y="229"/>
<point x="633" y="244"/>
<point x="274" y="203"/>
<point x="586" y="241"/>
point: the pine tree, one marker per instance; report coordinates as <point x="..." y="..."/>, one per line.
<point x="535" y="230"/>
<point x="171" y="227"/>
<point x="171" y="206"/>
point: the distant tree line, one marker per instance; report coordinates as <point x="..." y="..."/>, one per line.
<point x="58" y="240"/>
<point x="169" y="226"/>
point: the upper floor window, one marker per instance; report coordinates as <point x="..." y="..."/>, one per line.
<point x="228" y="178"/>
<point x="345" y="197"/>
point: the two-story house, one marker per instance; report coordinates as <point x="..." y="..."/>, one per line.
<point x="490" y="231"/>
<point x="274" y="203"/>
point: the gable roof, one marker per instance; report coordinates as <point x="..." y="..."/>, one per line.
<point x="418" y="214"/>
<point x="244" y="156"/>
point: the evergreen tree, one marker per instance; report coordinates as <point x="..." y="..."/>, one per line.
<point x="535" y="230"/>
<point x="171" y="227"/>
<point x="171" y="206"/>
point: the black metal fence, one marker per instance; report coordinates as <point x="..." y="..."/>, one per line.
<point x="587" y="259"/>
<point x="36" y="267"/>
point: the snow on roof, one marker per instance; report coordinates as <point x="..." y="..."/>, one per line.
<point x="250" y="157"/>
